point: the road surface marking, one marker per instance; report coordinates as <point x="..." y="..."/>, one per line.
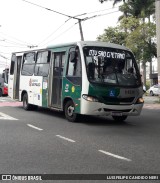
<point x="5" y="116"/>
<point x="114" y="155"/>
<point x="40" y="129"/>
<point x="70" y="140"/>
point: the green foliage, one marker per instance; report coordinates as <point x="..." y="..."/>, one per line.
<point x="148" y="84"/>
<point x="113" y="35"/>
<point x="115" y="1"/>
<point x="129" y="23"/>
<point x="137" y="37"/>
<point x="133" y="31"/>
<point x="138" y="41"/>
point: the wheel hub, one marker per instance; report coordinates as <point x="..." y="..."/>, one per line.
<point x="70" y="110"/>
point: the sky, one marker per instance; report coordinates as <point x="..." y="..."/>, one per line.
<point x="23" y="24"/>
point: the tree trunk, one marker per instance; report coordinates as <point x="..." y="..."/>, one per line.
<point x="151" y="80"/>
<point x="144" y="73"/>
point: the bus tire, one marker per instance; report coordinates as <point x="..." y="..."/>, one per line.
<point x="34" y="107"/>
<point x="69" y="111"/>
<point x="1" y="92"/>
<point x="119" y="118"/>
<point x="26" y="105"/>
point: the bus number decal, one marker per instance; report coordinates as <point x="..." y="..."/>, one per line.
<point x="66" y="88"/>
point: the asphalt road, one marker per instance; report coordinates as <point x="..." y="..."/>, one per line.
<point x="44" y="142"/>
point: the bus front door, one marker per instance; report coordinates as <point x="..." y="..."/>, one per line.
<point x="58" y="65"/>
<point x="14" y="77"/>
<point x="17" y="78"/>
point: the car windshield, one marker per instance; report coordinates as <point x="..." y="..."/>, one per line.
<point x="111" y="66"/>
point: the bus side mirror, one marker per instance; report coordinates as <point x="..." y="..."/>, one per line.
<point x="72" y="56"/>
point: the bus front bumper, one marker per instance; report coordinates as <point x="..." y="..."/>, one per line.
<point x="100" y="109"/>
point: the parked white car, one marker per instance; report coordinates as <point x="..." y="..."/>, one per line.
<point x="154" y="90"/>
<point x="144" y="89"/>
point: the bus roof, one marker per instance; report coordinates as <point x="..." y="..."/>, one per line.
<point x="91" y="43"/>
<point x="82" y="43"/>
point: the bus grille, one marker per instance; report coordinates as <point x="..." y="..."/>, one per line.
<point x="114" y="100"/>
<point x="123" y="110"/>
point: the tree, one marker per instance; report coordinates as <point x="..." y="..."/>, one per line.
<point x="137" y="38"/>
<point x="115" y="1"/>
<point x="113" y="35"/>
<point x="140" y="10"/>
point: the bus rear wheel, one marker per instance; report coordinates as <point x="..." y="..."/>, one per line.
<point x="26" y="105"/>
<point x="69" y="111"/>
<point x="119" y="118"/>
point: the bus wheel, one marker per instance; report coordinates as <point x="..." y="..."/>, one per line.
<point x="26" y="106"/>
<point x="69" y="111"/>
<point x="119" y="118"/>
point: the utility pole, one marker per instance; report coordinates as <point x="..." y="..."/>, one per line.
<point x="157" y="3"/>
<point x="80" y="29"/>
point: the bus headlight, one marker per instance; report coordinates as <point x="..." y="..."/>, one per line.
<point x="140" y="100"/>
<point x="90" y="98"/>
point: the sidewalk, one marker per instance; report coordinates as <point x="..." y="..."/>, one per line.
<point x="151" y="102"/>
<point x="151" y="99"/>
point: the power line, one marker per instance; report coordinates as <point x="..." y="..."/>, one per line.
<point x="102" y="10"/>
<point x="3" y="57"/>
<point x="12" y="42"/>
<point x="14" y="38"/>
<point x="87" y="18"/>
<point x="70" y="17"/>
<point x="5" y="53"/>
<point x="74" y="17"/>
<point x="13" y="46"/>
<point x="95" y="16"/>
<point x="50" y="10"/>
<point x="52" y="33"/>
<point x="61" y="34"/>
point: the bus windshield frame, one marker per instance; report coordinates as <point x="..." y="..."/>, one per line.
<point x="111" y="66"/>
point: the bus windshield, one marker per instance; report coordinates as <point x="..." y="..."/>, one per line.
<point x="111" y="66"/>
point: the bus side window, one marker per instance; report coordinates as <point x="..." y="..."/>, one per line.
<point x="74" y="64"/>
<point x="28" y="64"/>
<point x="42" y="63"/>
<point x="63" y="62"/>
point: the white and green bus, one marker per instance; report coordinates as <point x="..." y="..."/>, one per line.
<point x="80" y="78"/>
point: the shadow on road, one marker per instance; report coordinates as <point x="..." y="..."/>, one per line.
<point x="103" y="121"/>
<point x="84" y="119"/>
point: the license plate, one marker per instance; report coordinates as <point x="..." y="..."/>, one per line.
<point x="116" y="114"/>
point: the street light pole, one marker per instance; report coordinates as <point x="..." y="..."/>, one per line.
<point x="157" y="3"/>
